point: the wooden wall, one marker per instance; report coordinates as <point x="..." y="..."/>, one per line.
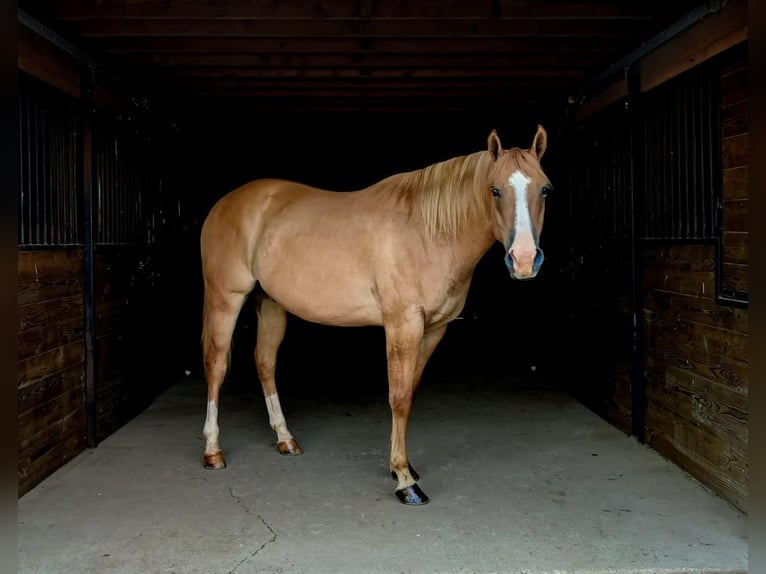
<point x="695" y="368"/>
<point x="51" y="415"/>
<point x="134" y="358"/>
<point x="131" y="357"/>
<point x="693" y="286"/>
<point x="734" y="140"/>
<point x="696" y="346"/>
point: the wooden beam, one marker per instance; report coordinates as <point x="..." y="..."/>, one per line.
<point x="613" y="93"/>
<point x="237" y="64"/>
<point x="40" y="59"/>
<point x="584" y="9"/>
<point x="358" y="28"/>
<point x="701" y="42"/>
<point x="435" y="89"/>
<point x="184" y="48"/>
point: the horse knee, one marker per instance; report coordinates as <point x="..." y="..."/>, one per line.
<point x="264" y="365"/>
<point x="400" y="401"/>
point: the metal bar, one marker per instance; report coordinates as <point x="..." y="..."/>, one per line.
<point x="22" y="175"/>
<point x="89" y="290"/>
<point x="637" y="190"/>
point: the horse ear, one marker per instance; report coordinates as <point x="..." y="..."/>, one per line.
<point x="539" y="143"/>
<point x="494" y="145"/>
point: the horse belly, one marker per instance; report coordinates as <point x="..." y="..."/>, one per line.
<point x="331" y="294"/>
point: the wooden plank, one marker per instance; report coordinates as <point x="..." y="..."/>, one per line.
<point x="45" y="364"/>
<point x="735" y="215"/>
<point x="735" y="248"/>
<point x="373" y="28"/>
<point x="735" y="119"/>
<point x="718" y="409"/>
<point x="76" y="10"/>
<point x="692" y="257"/>
<point x="735" y="183"/>
<point x="49" y="450"/>
<point x="735" y="151"/>
<point x="709" y="37"/>
<point x="258" y="65"/>
<point x="46" y="325"/>
<point x="731" y="374"/>
<point x="32" y="396"/>
<point x="32" y="422"/>
<point x="729" y="484"/>
<point x="701" y="310"/>
<point x="48" y="263"/>
<point x="734" y="88"/>
<point x="696" y="283"/>
<point x="736" y="277"/>
<point x="47" y="288"/>
<point x="597" y="102"/>
<point x="40" y="340"/>
<point x="38" y="58"/>
<point x="695" y="341"/>
<point x="735" y="60"/>
<point x="273" y="52"/>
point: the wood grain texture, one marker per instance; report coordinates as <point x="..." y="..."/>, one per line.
<point x="735" y="151"/>
<point x="684" y="444"/>
<point x="735" y="183"/>
<point x="696" y="369"/>
<point x="50" y="371"/>
<point x="40" y="59"/>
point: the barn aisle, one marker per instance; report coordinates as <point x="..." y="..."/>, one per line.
<point x="521" y="479"/>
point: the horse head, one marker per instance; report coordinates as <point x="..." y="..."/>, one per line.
<point x="518" y="186"/>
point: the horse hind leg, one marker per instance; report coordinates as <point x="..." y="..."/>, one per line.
<point x="272" y="322"/>
<point x="219" y="318"/>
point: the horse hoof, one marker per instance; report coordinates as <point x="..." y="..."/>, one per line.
<point x="412" y="496"/>
<point x="413" y="474"/>
<point x="289" y="447"/>
<point x="214" y="461"/>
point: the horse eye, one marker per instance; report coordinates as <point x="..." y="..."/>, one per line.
<point x="545" y="190"/>
<point x="495" y="192"/>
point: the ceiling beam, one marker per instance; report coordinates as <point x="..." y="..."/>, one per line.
<point x="358" y="28"/>
<point x="75" y="10"/>
<point x="233" y="66"/>
<point x="187" y="48"/>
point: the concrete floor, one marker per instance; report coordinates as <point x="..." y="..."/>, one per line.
<point x="521" y="479"/>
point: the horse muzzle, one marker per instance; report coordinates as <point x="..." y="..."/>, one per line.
<point x="524" y="266"/>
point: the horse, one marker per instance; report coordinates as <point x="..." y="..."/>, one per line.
<point x="399" y="254"/>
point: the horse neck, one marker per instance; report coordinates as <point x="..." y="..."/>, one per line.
<point x="473" y="241"/>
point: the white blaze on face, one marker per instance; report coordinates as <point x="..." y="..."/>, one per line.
<point x="523" y="250"/>
<point x="519" y="182"/>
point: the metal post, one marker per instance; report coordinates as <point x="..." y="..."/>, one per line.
<point x="88" y="254"/>
<point x="638" y="383"/>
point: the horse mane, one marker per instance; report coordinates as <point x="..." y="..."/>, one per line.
<point x="447" y="194"/>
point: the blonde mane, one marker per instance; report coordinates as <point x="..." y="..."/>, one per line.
<point x="447" y="195"/>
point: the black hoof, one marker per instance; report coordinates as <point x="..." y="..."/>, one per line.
<point x="412" y="496"/>
<point x="413" y="474"/>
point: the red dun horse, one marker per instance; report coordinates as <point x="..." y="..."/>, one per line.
<point x="399" y="254"/>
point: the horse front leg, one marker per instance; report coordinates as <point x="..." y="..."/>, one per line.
<point x="403" y="342"/>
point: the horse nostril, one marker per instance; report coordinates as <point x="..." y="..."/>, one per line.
<point x="539" y="258"/>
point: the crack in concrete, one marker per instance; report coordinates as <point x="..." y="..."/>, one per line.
<point x="266" y="524"/>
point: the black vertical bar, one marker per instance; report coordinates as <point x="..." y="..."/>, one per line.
<point x="89" y="303"/>
<point x="637" y="191"/>
<point x="22" y="179"/>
